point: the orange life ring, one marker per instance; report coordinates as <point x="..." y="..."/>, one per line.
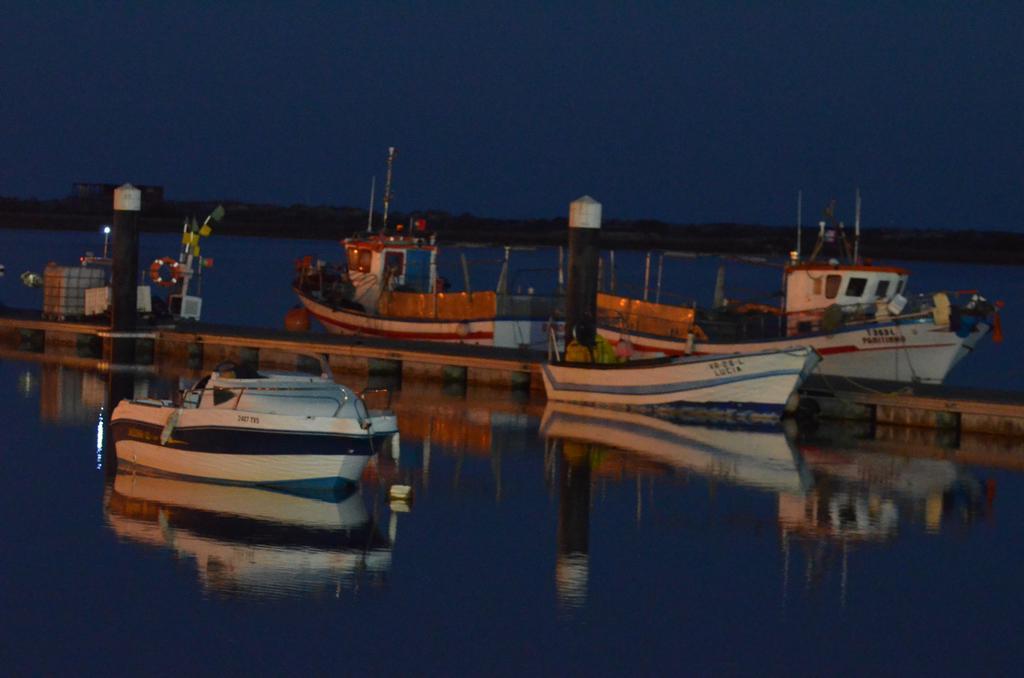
<point x="174" y="272"/>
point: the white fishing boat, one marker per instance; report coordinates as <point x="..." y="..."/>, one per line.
<point x="237" y="425"/>
<point x="762" y="459"/>
<point x="859" y="317"/>
<point x="756" y="385"/>
<point x="251" y="540"/>
<point x="387" y="286"/>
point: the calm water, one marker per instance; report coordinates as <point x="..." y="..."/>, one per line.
<point x="546" y="541"/>
<point x="540" y="540"/>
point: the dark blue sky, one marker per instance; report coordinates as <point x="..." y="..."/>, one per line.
<point x="684" y="112"/>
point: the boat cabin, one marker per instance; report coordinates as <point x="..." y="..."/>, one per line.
<point x="814" y="286"/>
<point x="390" y="262"/>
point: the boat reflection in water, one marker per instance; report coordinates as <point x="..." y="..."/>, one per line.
<point x="831" y="497"/>
<point x="865" y="495"/>
<point x="762" y="459"/>
<point x="248" y="541"/>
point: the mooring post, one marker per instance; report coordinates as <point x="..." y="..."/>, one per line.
<point x="124" y="269"/>
<point x="581" y="298"/>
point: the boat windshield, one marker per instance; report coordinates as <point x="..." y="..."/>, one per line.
<point x="232" y="370"/>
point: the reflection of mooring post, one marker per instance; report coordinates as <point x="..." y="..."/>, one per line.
<point x="125" y="266"/>
<point x="581" y="299"/>
<point x="572" y="566"/>
<point x="120" y="385"/>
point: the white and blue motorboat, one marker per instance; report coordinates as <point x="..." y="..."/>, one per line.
<point x="757" y="385"/>
<point x="278" y="429"/>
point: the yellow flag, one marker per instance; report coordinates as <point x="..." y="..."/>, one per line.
<point x="205" y="230"/>
<point x="195" y="250"/>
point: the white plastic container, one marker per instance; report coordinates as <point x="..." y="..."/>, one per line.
<point x="64" y="289"/>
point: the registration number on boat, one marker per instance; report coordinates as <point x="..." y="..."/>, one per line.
<point x="248" y="419"/>
<point x="723" y="368"/>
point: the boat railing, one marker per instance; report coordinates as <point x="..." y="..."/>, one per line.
<point x="530" y="305"/>
<point x="236" y="392"/>
<point x="655" y="296"/>
<point x="637" y="315"/>
<point x="754" y="321"/>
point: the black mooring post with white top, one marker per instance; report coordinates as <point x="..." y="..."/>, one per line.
<point x="124" y="270"/>
<point x="584" y="249"/>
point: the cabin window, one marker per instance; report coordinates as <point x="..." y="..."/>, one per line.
<point x="883" y="287"/>
<point x="855" y="287"/>
<point x="832" y="284"/>
<point x="902" y="286"/>
<point x="394" y="262"/>
<point x="364" y="260"/>
<point x="359" y="259"/>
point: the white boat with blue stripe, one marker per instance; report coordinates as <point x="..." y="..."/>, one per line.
<point x="758" y="384"/>
<point x="278" y="429"/>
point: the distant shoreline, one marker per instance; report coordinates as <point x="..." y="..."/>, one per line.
<point x="334" y="223"/>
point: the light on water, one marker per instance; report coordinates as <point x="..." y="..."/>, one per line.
<point x="99" y="441"/>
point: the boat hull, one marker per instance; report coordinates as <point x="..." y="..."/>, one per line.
<point x="502" y="332"/>
<point x="759" y="383"/>
<point x="915" y="351"/>
<point x="236" y="447"/>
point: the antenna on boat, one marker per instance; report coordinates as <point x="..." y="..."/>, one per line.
<point x="856" y="230"/>
<point x="799" y="220"/>
<point x="392" y="151"/>
<point x="369" y="212"/>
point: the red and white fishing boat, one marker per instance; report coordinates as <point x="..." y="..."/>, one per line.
<point x="388" y="286"/>
<point x="857" y="316"/>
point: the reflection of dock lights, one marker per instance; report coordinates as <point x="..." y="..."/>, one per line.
<point x="99" y="441"/>
<point x="106" y="239"/>
<point x="572" y="572"/>
<point x="400" y="497"/>
<point x="26" y="384"/>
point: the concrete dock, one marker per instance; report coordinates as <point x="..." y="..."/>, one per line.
<point x="203" y="345"/>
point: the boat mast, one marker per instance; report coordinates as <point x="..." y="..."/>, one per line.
<point x="856" y="230"/>
<point x="387" y="186"/>
<point x="369" y="212"/>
